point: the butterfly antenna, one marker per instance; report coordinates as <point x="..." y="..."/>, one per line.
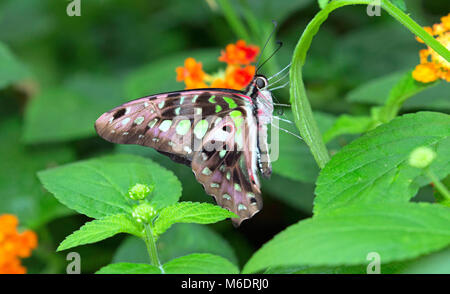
<point x="280" y="72"/>
<point x="281" y="104"/>
<point x="280" y="87"/>
<point x="275" y="24"/>
<point x="280" y="44"/>
<point x="279" y="79"/>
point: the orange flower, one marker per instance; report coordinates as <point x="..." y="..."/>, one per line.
<point x="234" y="77"/>
<point x="237" y="77"/>
<point x="14" y="245"/>
<point x="433" y="66"/>
<point x="192" y="74"/>
<point x="239" y="53"/>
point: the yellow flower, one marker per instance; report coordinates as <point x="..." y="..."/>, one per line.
<point x="14" y="245"/>
<point x="433" y="66"/>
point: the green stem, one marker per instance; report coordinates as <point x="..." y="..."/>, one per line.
<point x="151" y="246"/>
<point x="437" y="183"/>
<point x="300" y="104"/>
<point x="416" y="29"/>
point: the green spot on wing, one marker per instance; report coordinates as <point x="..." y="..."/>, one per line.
<point x="183" y="127"/>
<point x="230" y="101"/>
<point x="200" y="128"/>
<point x="212" y="100"/>
<point x="235" y="113"/>
<point x="165" y="125"/>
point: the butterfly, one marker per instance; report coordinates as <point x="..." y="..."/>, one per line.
<point x="220" y="133"/>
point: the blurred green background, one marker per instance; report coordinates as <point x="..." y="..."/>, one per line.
<point x="59" y="73"/>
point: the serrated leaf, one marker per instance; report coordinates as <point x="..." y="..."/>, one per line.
<point x="179" y="240"/>
<point x="200" y="263"/>
<point x="101" y="229"/>
<point x="129" y="268"/>
<point x="344" y="236"/>
<point x="98" y="187"/>
<point x="11" y="70"/>
<point x="190" y="212"/>
<point x="375" y="168"/>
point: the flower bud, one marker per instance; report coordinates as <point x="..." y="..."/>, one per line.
<point x="421" y="157"/>
<point x="140" y="191"/>
<point x="144" y="212"/>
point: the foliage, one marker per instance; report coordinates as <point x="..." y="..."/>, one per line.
<point x="371" y="173"/>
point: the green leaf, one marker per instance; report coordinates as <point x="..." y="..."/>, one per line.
<point x="11" y="70"/>
<point x="190" y="212"/>
<point x="192" y="190"/>
<point x="436" y="263"/>
<point x="344" y="236"/>
<point x="374" y="167"/>
<point x="160" y="76"/>
<point x="347" y="124"/>
<point x="433" y="97"/>
<point x="200" y="263"/>
<point x="101" y="229"/>
<point x="129" y="268"/>
<point x="60" y="114"/>
<point x="179" y="240"/>
<point x="20" y="190"/>
<point x="98" y="187"/>
<point x="403" y="89"/>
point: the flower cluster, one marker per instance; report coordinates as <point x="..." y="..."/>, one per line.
<point x="433" y="66"/>
<point x="237" y="75"/>
<point x="14" y="245"/>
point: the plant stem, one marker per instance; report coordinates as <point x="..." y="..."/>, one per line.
<point x="300" y="104"/>
<point x="437" y="183"/>
<point x="416" y="29"/>
<point x="151" y="246"/>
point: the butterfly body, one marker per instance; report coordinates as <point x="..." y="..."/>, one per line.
<point x="220" y="133"/>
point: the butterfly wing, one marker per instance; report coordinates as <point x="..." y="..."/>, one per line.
<point x="226" y="165"/>
<point x="183" y="125"/>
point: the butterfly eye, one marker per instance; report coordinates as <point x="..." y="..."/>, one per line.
<point x="261" y="83"/>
